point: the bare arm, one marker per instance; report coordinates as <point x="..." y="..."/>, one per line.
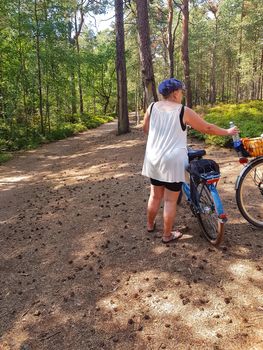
<point x="146" y="122"/>
<point x="195" y="121"/>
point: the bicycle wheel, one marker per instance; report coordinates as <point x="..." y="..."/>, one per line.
<point x="212" y="226"/>
<point x="249" y="193"/>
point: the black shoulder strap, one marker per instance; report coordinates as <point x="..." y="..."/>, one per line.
<point x="183" y="126"/>
<point x="151" y="108"/>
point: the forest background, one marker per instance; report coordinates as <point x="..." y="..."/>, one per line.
<point x="58" y="74"/>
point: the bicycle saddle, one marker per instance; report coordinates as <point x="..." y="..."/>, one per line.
<point x="195" y="154"/>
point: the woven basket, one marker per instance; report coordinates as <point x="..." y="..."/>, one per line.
<point x="253" y="146"/>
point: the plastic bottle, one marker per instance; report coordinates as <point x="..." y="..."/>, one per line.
<point x="237" y="142"/>
<point x="236" y="137"/>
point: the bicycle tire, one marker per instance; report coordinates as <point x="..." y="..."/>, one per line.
<point x="249" y="193"/>
<point x="212" y="226"/>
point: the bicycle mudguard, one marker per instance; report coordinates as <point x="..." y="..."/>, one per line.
<point x="218" y="203"/>
<point x="249" y="164"/>
<point x="186" y="190"/>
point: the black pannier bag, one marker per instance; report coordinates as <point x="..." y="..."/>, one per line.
<point x="202" y="169"/>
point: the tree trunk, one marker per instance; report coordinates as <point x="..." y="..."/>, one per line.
<point x="122" y="102"/>
<point x="185" y="52"/>
<point x="22" y="68"/>
<point x="223" y="85"/>
<point x="105" y="107"/>
<point x="39" y="71"/>
<point x="253" y="92"/>
<point x="145" y="51"/>
<point x="48" y="108"/>
<point x="73" y="92"/>
<point x="238" y="76"/>
<point x="170" y="42"/>
<point x="212" y="97"/>
<point x="230" y="82"/>
<point x="94" y="93"/>
<point x="213" y="70"/>
<point x="48" y="42"/>
<point x="260" y="79"/>
<point x="2" y="97"/>
<point x="77" y="33"/>
<point x="171" y="35"/>
<point x="72" y="73"/>
<point x="137" y="98"/>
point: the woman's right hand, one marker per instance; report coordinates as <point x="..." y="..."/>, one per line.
<point x="233" y="131"/>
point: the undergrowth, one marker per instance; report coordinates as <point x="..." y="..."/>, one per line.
<point x="247" y="116"/>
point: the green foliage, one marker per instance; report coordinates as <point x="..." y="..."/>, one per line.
<point x="94" y="122"/>
<point x="247" y="116"/>
<point x="65" y="130"/>
<point x="4" y="157"/>
<point x="51" y="86"/>
<point x="47" y="80"/>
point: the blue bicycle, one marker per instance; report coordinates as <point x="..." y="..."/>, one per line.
<point x="202" y="195"/>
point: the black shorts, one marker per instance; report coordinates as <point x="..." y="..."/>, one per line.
<point x="172" y="186"/>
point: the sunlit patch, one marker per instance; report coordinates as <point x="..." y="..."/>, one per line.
<point x="159" y="249"/>
<point x="58" y="186"/>
<point x="18" y="335"/>
<point x="259" y="335"/>
<point x="108" y="304"/>
<point x="78" y="155"/>
<point x="60" y="157"/>
<point x="210" y="327"/>
<point x="163" y="307"/>
<point x="242" y="250"/>
<point x="109" y="147"/>
<point x="13" y="179"/>
<point x="126" y="144"/>
<point x="2" y="222"/>
<point x="241" y="270"/>
<point x="197" y="314"/>
<point x="11" y="341"/>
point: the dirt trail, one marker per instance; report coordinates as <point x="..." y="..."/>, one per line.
<point x="78" y="270"/>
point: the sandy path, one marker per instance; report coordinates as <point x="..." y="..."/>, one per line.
<point x="78" y="271"/>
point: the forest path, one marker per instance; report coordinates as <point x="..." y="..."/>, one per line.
<point x="79" y="271"/>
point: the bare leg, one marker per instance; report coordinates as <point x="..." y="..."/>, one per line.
<point x="169" y="212"/>
<point x="154" y="202"/>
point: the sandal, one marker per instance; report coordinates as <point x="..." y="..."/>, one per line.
<point x="174" y="236"/>
<point x="153" y="229"/>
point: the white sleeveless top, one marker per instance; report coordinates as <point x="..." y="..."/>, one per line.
<point x="166" y="155"/>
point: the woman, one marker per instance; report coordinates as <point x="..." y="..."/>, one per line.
<point x="166" y="152"/>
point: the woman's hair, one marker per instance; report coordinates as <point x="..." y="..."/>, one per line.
<point x="165" y="97"/>
<point x="170" y="85"/>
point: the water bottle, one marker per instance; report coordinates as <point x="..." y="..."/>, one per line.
<point x="237" y="142"/>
